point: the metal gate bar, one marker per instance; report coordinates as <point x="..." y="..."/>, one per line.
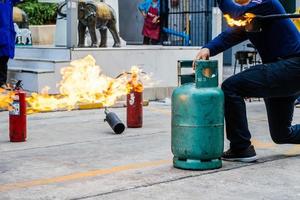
<point x="192" y="18"/>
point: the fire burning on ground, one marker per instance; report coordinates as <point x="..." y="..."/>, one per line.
<point x="6" y="98"/>
<point x="84" y="82"/>
<point x="247" y="18"/>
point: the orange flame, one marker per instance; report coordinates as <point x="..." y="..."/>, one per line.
<point x="248" y="17"/>
<point x="6" y="98"/>
<point x="134" y="84"/>
<point x="84" y="82"/>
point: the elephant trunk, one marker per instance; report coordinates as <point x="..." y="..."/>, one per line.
<point x="59" y="8"/>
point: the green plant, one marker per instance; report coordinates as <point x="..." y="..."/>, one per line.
<point x="39" y="13"/>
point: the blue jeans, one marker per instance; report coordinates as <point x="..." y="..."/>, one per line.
<point x="278" y="83"/>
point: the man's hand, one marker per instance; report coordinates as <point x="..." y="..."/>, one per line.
<point x="203" y="54"/>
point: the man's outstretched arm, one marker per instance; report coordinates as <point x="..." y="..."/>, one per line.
<point x="234" y="36"/>
<point x="225" y="40"/>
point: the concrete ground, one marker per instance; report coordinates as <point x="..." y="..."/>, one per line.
<point x="75" y="155"/>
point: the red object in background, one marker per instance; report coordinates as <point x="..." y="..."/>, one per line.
<point x="17" y="118"/>
<point x="150" y="29"/>
<point x="135" y="109"/>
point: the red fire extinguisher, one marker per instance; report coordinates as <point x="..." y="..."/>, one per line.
<point x="17" y="116"/>
<point x="135" y="109"/>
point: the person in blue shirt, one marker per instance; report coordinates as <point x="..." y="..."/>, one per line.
<point x="7" y="37"/>
<point x="276" y="80"/>
<point x="150" y="9"/>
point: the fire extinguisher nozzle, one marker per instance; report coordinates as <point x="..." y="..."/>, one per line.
<point x="119" y="128"/>
<point x="114" y="122"/>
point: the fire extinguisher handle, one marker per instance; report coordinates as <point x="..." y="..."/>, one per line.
<point x="18" y="84"/>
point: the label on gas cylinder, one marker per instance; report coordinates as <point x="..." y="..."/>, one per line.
<point x="15" y="108"/>
<point x="202" y="79"/>
<point x="131" y="99"/>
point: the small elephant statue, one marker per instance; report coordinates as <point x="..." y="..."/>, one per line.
<point x="23" y="36"/>
<point x="94" y="15"/>
<point x="20" y="18"/>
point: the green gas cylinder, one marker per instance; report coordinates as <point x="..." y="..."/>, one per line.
<point x="198" y="120"/>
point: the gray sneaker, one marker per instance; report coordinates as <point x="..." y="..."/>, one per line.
<point x="297" y="103"/>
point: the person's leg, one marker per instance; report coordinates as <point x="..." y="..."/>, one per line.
<point x="154" y="42"/>
<point x="280" y="115"/>
<point x="235" y="114"/>
<point x="272" y="80"/>
<point x="146" y="40"/>
<point x="3" y="70"/>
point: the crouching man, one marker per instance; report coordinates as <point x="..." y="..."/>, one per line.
<point x="276" y="80"/>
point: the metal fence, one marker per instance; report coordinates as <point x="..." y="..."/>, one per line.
<point x="186" y="22"/>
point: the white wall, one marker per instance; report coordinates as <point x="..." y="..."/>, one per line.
<point x="157" y="60"/>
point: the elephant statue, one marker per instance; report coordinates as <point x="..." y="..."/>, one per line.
<point x="23" y="36"/>
<point x="21" y="26"/>
<point x="94" y="15"/>
<point x="20" y="18"/>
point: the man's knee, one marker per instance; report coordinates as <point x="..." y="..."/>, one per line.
<point x="229" y="84"/>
